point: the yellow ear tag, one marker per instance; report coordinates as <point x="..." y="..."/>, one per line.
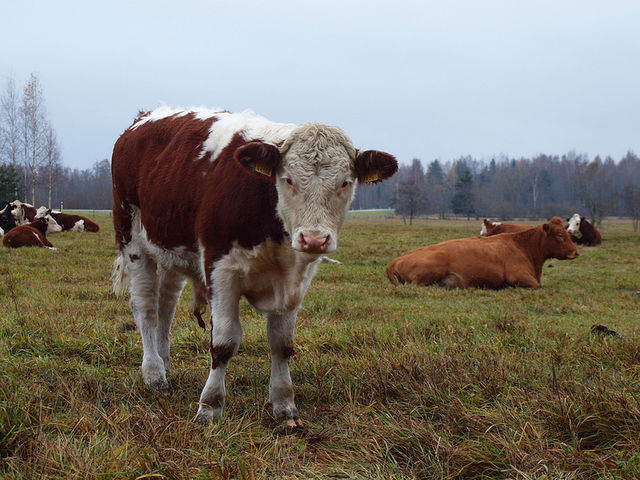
<point x="263" y="170"/>
<point x="370" y="178"/>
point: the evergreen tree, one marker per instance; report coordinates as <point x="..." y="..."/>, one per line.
<point x="8" y="182"/>
<point x="463" y="200"/>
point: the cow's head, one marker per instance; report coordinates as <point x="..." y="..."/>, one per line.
<point x="574" y="225"/>
<point x="557" y="242"/>
<point x="52" y="225"/>
<point x="315" y="172"/>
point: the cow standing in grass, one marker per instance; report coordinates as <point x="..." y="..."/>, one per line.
<point x="509" y="259"/>
<point x="241" y="206"/>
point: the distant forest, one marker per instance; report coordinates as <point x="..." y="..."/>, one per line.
<point x="32" y="170"/>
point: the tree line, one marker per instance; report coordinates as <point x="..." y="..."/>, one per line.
<point x="507" y="188"/>
<point x="32" y="170"/>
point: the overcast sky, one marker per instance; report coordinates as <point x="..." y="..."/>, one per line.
<point x="415" y="78"/>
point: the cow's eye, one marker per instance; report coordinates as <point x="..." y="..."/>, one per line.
<point x="345" y="184"/>
<point x="288" y="180"/>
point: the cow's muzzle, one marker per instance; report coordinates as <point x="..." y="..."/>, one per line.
<point x="314" y="243"/>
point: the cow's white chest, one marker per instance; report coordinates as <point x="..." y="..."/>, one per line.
<point x="273" y="277"/>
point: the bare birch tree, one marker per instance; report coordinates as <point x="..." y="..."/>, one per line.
<point x="10" y="129"/>
<point x="32" y="112"/>
<point x="51" y="160"/>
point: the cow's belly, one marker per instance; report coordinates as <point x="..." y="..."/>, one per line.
<point x="272" y="277"/>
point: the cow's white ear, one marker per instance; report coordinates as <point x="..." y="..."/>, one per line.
<point x="258" y="157"/>
<point x="372" y="166"/>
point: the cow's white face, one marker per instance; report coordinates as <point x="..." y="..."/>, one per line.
<point x="574" y="225"/>
<point x="315" y="183"/>
<point x="315" y="171"/>
<point x="52" y="225"/>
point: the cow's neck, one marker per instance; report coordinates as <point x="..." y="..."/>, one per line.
<point x="40" y="226"/>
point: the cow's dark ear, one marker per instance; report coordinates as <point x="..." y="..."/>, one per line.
<point x="258" y="157"/>
<point x="546" y="227"/>
<point x="372" y="166"/>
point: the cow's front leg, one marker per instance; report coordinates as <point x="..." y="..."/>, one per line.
<point x="280" y="329"/>
<point x="226" y="335"/>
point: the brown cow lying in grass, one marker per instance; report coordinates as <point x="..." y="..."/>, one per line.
<point x="509" y="259"/>
<point x="33" y="234"/>
<point x="495" y="228"/>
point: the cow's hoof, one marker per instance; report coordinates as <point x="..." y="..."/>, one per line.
<point x="202" y="419"/>
<point x="160" y="385"/>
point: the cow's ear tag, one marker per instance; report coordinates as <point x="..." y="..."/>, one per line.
<point x="264" y="170"/>
<point x="373" y="177"/>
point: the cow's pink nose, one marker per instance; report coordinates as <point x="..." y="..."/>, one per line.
<point x="314" y="243"/>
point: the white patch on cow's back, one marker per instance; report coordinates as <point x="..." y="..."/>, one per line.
<point x="574" y="225"/>
<point x="78" y="226"/>
<point x="247" y="123"/>
<point x="164" y="111"/>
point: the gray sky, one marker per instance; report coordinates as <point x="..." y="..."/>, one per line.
<point x="415" y="78"/>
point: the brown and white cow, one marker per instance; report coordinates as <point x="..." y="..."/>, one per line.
<point x="509" y="259"/>
<point x="240" y="206"/>
<point x="33" y="234"/>
<point x="69" y="222"/>
<point x="24" y="212"/>
<point x="495" y="228"/>
<point x="582" y="231"/>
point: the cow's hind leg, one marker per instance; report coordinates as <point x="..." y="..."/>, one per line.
<point x="280" y="329"/>
<point x="171" y="284"/>
<point x="226" y="335"/>
<point x="143" y="285"/>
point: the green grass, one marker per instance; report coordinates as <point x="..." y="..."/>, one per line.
<point x="407" y="382"/>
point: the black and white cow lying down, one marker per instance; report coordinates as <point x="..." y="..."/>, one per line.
<point x="240" y="206"/>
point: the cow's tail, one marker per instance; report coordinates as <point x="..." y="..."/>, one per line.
<point x="119" y="280"/>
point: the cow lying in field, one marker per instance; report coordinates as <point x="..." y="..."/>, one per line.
<point x="24" y="213"/>
<point x="33" y="234"/>
<point x="7" y="220"/>
<point x="508" y="259"/>
<point x="69" y="222"/>
<point x="582" y="231"/>
<point x="495" y="228"/>
<point x="240" y="206"/>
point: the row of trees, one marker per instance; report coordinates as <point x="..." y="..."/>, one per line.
<point x="31" y="169"/>
<point x="506" y="188"/>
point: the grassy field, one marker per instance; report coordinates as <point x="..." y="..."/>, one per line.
<point x="391" y="383"/>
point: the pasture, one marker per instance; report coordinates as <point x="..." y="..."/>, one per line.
<point x="391" y="382"/>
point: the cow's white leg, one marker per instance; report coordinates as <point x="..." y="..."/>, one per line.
<point x="171" y="286"/>
<point x="280" y="329"/>
<point x="226" y="335"/>
<point x="143" y="285"/>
